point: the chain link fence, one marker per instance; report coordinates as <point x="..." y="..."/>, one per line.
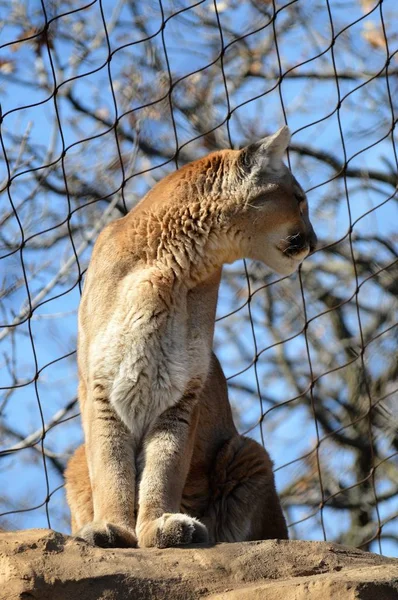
<point x="99" y="101"/>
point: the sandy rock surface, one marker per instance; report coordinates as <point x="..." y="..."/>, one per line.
<point x="44" y="565"/>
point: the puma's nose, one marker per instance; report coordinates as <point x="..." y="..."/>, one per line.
<point x="312" y="240"/>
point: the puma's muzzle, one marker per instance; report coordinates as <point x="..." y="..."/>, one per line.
<point x="297" y="244"/>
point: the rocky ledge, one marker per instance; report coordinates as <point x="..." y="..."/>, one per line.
<point x="42" y="564"/>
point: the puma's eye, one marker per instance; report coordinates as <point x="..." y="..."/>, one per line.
<point x="257" y="201"/>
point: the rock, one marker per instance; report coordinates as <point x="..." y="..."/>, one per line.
<point x="42" y="564"/>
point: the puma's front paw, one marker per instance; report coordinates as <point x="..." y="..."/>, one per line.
<point x="107" y="535"/>
<point x="172" y="529"/>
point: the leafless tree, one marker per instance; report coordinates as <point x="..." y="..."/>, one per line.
<point x="100" y="101"/>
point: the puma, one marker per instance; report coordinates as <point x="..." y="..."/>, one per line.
<point x="163" y="464"/>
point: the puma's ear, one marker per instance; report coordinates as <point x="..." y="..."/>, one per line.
<point x="267" y="153"/>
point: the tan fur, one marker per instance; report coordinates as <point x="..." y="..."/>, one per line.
<point x="162" y="462"/>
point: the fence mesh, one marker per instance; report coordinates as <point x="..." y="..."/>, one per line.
<point x="101" y="100"/>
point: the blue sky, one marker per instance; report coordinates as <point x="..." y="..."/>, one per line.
<point x="306" y="108"/>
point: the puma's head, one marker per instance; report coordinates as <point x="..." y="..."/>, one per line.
<point x="276" y="228"/>
<point x="228" y="205"/>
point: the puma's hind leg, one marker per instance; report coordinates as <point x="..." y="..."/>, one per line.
<point x="244" y="504"/>
<point x="78" y="490"/>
